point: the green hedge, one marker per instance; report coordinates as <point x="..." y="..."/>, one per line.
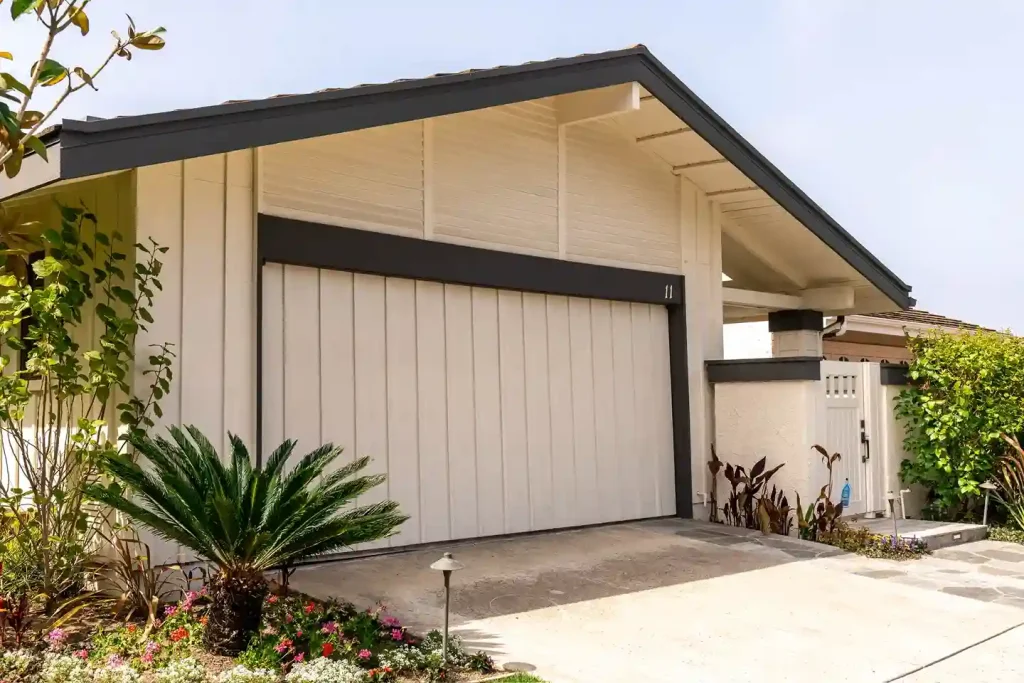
<point x="967" y="390"/>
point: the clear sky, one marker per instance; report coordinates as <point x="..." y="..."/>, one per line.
<point x="904" y="120"/>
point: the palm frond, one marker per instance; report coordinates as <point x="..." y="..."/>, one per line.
<point x="246" y="519"/>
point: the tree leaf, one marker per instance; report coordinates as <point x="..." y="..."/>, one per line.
<point x="150" y="40"/>
<point x="19" y="7"/>
<point x="84" y="75"/>
<point x="50" y="71"/>
<point x="36" y="145"/>
<point x="13" y="164"/>
<point x="79" y="19"/>
<point x="31" y="118"/>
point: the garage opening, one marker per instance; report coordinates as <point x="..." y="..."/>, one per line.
<point x="492" y="411"/>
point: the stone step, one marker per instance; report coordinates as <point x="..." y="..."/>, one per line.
<point x="935" y="534"/>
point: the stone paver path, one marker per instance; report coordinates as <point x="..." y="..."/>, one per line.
<point x="990" y="571"/>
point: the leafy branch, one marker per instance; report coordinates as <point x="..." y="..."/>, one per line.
<point x="19" y="129"/>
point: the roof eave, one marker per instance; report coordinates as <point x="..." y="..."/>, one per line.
<point x="99" y="146"/>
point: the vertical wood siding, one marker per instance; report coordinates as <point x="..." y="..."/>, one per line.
<point x="202" y="211"/>
<point x="481" y="406"/>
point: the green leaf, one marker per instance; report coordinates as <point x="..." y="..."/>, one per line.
<point x="9" y="82"/>
<point x="19" y="7"/>
<point x="50" y="72"/>
<point x="13" y="164"/>
<point x="36" y="145"/>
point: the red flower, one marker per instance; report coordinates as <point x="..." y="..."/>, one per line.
<point x="298" y="634"/>
<point x="310" y="608"/>
<point x="203" y="620"/>
<point x="179" y="633"/>
<point x="328" y="650"/>
<point x="132" y="628"/>
<point x="272" y="599"/>
<point x="283" y="646"/>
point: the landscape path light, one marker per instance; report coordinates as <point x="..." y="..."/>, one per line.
<point x="447" y="564"/>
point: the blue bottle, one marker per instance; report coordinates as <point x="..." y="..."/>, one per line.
<point x="846" y="494"/>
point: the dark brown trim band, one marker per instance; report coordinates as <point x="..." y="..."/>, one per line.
<point x="796" y="319"/>
<point x="764" y="369"/>
<point x="314" y="245"/>
<point x="894" y="374"/>
<point x="301" y="243"/>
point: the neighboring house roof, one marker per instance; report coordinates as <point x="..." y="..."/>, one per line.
<point x="914" y="315"/>
<point x="895" y="323"/>
<point x="95" y="146"/>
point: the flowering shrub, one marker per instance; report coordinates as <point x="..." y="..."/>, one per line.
<point x="323" y="670"/>
<point x="18" y="666"/>
<point x="121" y="673"/>
<point x="65" y="669"/>
<point x="857" y="539"/>
<point x="242" y="674"/>
<point x="186" y="670"/>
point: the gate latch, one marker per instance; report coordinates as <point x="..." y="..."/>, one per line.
<point x="866" y="441"/>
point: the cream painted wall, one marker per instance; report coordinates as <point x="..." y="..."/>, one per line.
<point x="893" y="431"/>
<point x="202" y="210"/>
<point x="511" y="178"/>
<point x="777" y="420"/>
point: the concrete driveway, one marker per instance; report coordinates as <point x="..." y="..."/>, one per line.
<point x="671" y="601"/>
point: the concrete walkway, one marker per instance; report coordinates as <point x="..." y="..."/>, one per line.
<point x="668" y="601"/>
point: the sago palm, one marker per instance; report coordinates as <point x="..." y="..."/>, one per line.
<point x="244" y="519"/>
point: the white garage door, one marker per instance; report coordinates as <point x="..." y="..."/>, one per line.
<point x="492" y="412"/>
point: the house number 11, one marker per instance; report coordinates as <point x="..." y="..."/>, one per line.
<point x="668" y="292"/>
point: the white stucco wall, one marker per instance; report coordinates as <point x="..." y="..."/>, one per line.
<point x="777" y="420"/>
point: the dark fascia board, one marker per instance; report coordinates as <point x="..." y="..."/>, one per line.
<point x="764" y="369"/>
<point x="114" y="144"/>
<point x="894" y="374"/>
<point x="793" y="320"/>
<point x="303" y="243"/>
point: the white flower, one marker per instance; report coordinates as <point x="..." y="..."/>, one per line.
<point x="16" y="665"/>
<point x="323" y="670"/>
<point x="402" y="659"/>
<point x="243" y="674"/>
<point x="65" y="669"/>
<point x="116" y="674"/>
<point x="185" y="670"/>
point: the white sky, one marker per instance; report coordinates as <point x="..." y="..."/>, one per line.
<point x="902" y="119"/>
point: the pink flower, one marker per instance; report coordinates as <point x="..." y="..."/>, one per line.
<point x="56" y="637"/>
<point x="310" y="608"/>
<point x="391" y="622"/>
<point x="270" y="631"/>
<point x="298" y="634"/>
<point x="114" y="661"/>
<point x="271" y="599"/>
<point x="330" y="627"/>
<point x="283" y="646"/>
<point x="82" y="654"/>
<point x="396" y="634"/>
<point x="150" y="651"/>
<point x="364" y="654"/>
<point x="289" y="618"/>
<point x="300" y="657"/>
<point x="190" y="598"/>
<point x="170" y="610"/>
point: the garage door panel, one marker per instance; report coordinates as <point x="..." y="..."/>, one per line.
<point x="563" y="457"/>
<point x="460" y="385"/>
<point x="273" y="358"/>
<point x="487" y="388"/>
<point x="432" y="417"/>
<point x="643" y="409"/>
<point x="337" y="364"/>
<point x="608" y="476"/>
<point x="403" y="466"/>
<point x="538" y="410"/>
<point x="662" y="399"/>
<point x="515" y="463"/>
<point x="301" y="360"/>
<point x="370" y="339"/>
<point x="625" y="437"/>
<point x="491" y="412"/>
<point x="581" y="355"/>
